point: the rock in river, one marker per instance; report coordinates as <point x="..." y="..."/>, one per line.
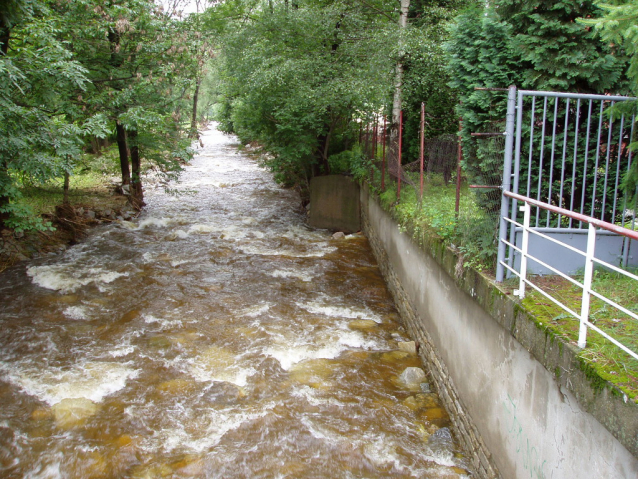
<point x="412" y="378"/>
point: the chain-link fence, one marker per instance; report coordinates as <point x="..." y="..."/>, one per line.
<point x="437" y="194"/>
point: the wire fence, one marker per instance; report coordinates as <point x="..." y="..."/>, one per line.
<point x="436" y="192"/>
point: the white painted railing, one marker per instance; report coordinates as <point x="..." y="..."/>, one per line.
<point x="590" y="262"/>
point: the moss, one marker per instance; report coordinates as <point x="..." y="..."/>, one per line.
<point x="596" y="382"/>
<point x="557" y="372"/>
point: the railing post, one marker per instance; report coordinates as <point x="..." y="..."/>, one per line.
<point x="383" y="153"/>
<point x="399" y="156"/>
<point x="510" y="124"/>
<point x="526" y="209"/>
<point x="589" y="274"/>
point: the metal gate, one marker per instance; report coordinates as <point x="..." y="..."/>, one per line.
<point x="570" y="151"/>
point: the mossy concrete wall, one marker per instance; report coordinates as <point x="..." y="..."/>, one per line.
<point x="522" y="402"/>
<point x="334" y="203"/>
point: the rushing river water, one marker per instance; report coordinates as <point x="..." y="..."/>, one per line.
<point x="214" y="336"/>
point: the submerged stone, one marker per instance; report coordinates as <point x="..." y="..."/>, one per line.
<point x="362" y="324"/>
<point x="313" y="372"/>
<point x="73" y="412"/>
<point x="421" y="401"/>
<point x="177" y="386"/>
<point x="407" y="346"/>
<point x="160" y="342"/>
<point x="394" y="356"/>
<point x="191" y="465"/>
<point x="412" y="378"/>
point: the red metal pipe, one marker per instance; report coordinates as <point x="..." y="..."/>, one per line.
<point x="399" y="155"/>
<point x="422" y="147"/>
<point x="383" y="161"/>
<point x="576" y="216"/>
<point x="457" y="205"/>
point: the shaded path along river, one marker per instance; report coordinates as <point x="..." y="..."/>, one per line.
<point x="215" y="336"/>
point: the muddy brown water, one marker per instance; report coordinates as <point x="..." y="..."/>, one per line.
<point x="214" y="336"/>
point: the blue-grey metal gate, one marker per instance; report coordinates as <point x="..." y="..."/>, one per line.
<point x="567" y="150"/>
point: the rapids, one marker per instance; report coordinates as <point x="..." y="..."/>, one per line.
<point x="215" y="336"/>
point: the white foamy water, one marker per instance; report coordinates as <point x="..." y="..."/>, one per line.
<point x="256" y="310"/>
<point x="316" y="250"/>
<point x="92" y="380"/>
<point x="155" y="222"/>
<point x="327" y="345"/>
<point x="324" y="307"/>
<point x="279" y="273"/>
<point x="67" y="278"/>
<point x="75" y="312"/>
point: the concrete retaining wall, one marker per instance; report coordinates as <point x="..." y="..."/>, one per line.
<point x="334" y="203"/>
<point x="523" y="405"/>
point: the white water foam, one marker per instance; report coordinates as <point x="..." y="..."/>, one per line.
<point x="75" y="312"/>
<point x="67" y="278"/>
<point x="316" y="250"/>
<point x="255" y="311"/>
<point x="91" y="380"/>
<point x="161" y="322"/>
<point x="157" y="222"/>
<point x="207" y="433"/>
<point x="218" y="364"/>
<point x="280" y="273"/>
<point x="323" y="307"/>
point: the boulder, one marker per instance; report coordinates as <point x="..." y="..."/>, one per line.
<point x="407" y="346"/>
<point x="412" y="378"/>
<point x="73" y="412"/>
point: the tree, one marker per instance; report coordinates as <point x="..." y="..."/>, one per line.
<point x="535" y="45"/>
<point x="298" y="78"/>
<point x="619" y="26"/>
<point x="41" y="132"/>
<point x="140" y="71"/>
<point x="558" y="53"/>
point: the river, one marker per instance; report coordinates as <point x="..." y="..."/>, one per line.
<point x="214" y="336"/>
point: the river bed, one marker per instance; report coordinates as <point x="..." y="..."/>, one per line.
<point x="214" y="336"/>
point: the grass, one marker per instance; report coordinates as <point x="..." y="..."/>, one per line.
<point x="472" y="232"/>
<point x="91" y="187"/>
<point x="610" y="362"/>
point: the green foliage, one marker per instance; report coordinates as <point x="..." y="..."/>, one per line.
<point x="68" y="69"/>
<point x="296" y="79"/>
<point x="619" y="26"/>
<point x="535" y="45"/>
<point x="558" y="53"/>
<point x="41" y="135"/>
<point x="425" y="76"/>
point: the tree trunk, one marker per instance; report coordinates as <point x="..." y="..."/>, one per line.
<point x="193" y="132"/>
<point x="123" y="149"/>
<point x="136" y="198"/>
<point x="5" y="33"/>
<point x="65" y="198"/>
<point x="4" y="200"/>
<point x="398" y="84"/>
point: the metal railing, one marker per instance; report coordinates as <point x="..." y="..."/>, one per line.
<point x="566" y="149"/>
<point x="590" y="262"/>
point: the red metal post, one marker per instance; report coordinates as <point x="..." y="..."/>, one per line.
<point x="457" y="206"/>
<point x="383" y="160"/>
<point x="422" y="147"/>
<point x="399" y="156"/>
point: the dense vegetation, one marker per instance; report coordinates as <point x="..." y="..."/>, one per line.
<point x="84" y="78"/>
<point x="75" y="75"/>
